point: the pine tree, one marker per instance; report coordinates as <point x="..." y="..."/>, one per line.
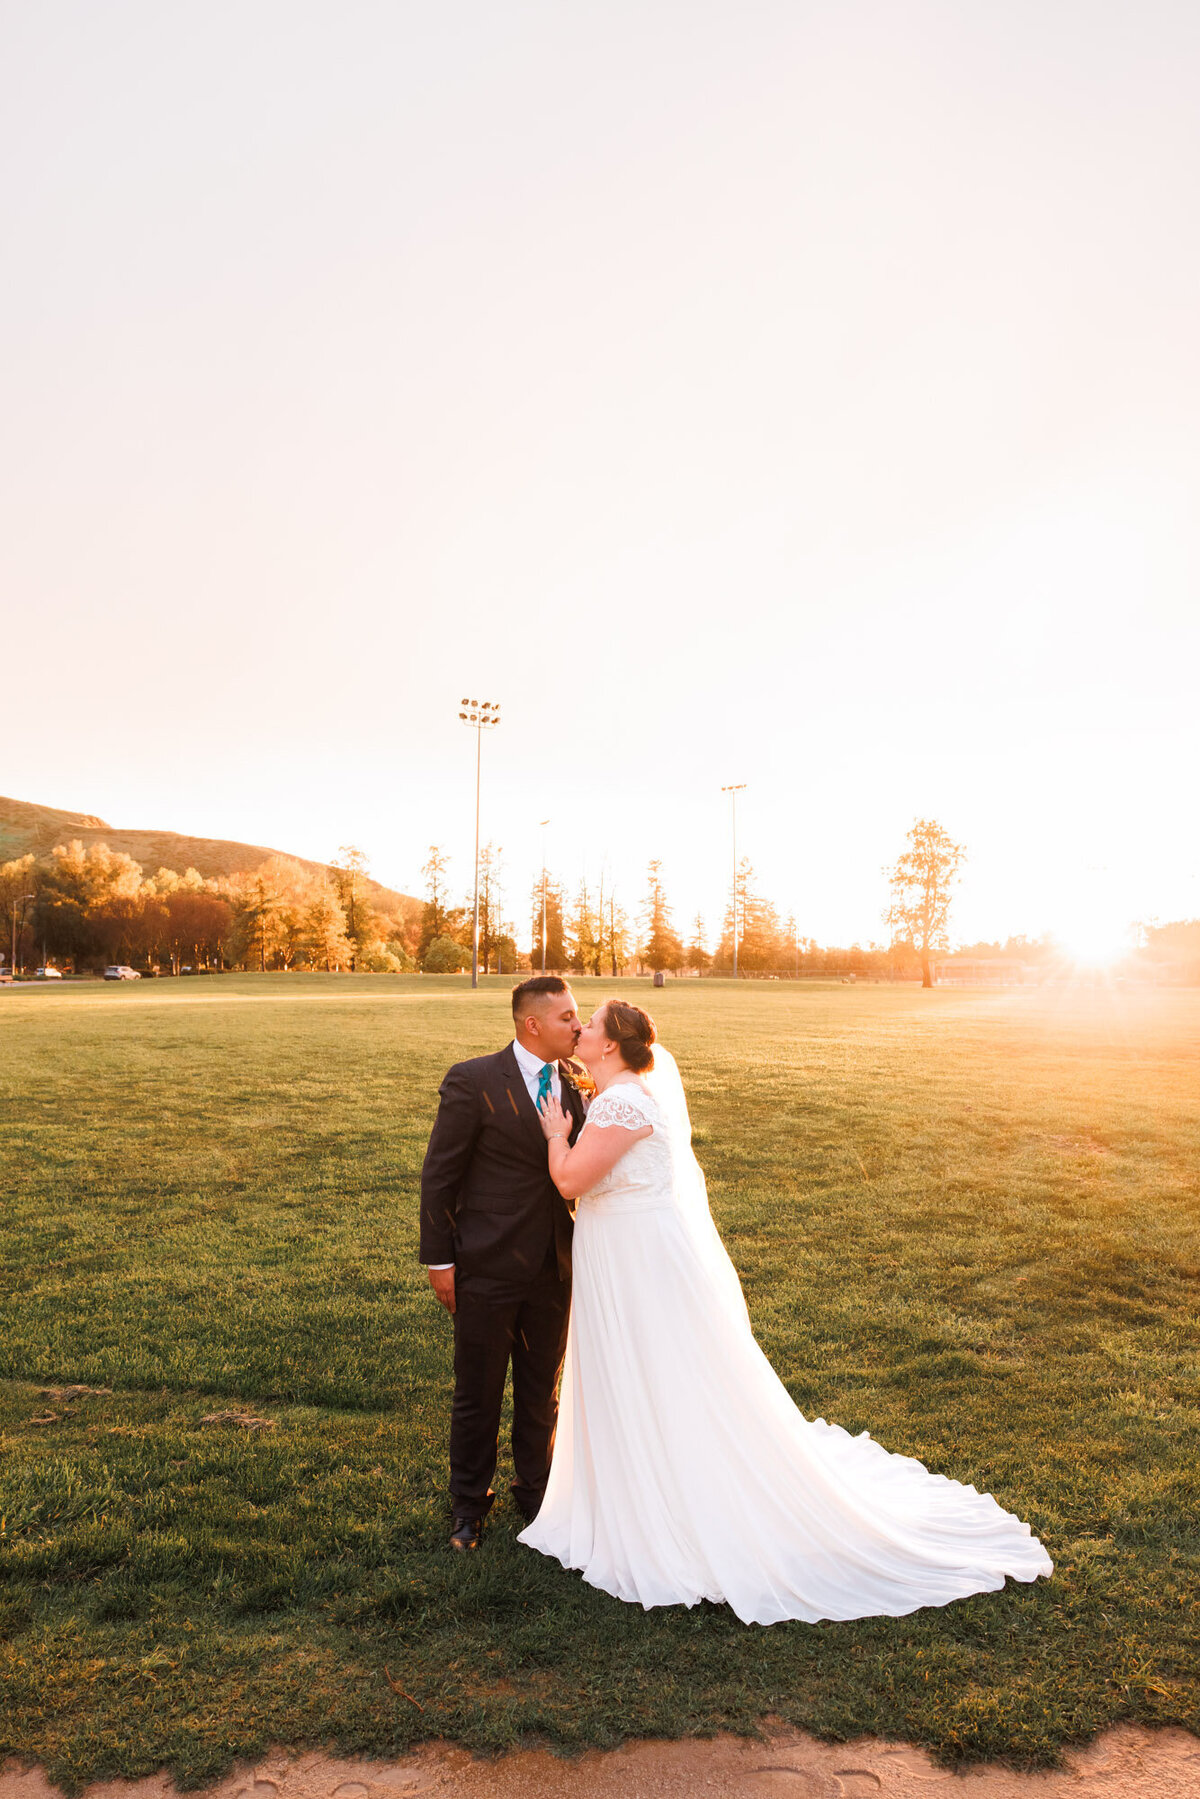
<point x="764" y="945"/>
<point x="556" y="958"/>
<point x="584" y="932"/>
<point x="661" y="946"/>
<point x="350" y="876"/>
<point x="697" y="950"/>
<point x="614" y="935"/>
<point x="723" y="959"/>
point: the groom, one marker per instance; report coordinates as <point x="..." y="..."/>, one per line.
<point x="496" y="1237"/>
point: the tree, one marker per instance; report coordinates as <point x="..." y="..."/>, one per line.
<point x="17" y="892"/>
<point x="268" y="922"/>
<point x="491" y="897"/>
<point x="722" y="961"/>
<point x="89" y="902"/>
<point x="661" y="946"/>
<point x="508" y="956"/>
<point x="921" y="883"/>
<point x="697" y="950"/>
<point x="433" y="919"/>
<point x="765" y="946"/>
<point x="325" y="940"/>
<point x="350" y="875"/>
<point x="585" y="929"/>
<point x="556" y="949"/>
<point x="445" y="956"/>
<point x="195" y="923"/>
<point x="614" y="944"/>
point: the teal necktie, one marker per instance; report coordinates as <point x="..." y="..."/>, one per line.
<point x="544" y="1079"/>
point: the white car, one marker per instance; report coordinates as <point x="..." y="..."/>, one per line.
<point x="121" y="973"/>
<point x="49" y="974"/>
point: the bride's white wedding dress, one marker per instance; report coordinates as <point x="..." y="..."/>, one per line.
<point x="682" y="1469"/>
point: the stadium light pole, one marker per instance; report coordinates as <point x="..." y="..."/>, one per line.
<point x="544" y="823"/>
<point x="480" y="718"/>
<point x="733" y="791"/>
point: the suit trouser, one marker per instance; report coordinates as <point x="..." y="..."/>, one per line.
<point x="529" y="1327"/>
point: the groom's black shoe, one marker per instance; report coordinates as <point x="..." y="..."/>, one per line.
<point x="466" y="1533"/>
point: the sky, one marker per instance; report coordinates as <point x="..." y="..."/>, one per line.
<point x="796" y="395"/>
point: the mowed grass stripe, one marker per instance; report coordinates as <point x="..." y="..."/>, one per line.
<point x="969" y="1223"/>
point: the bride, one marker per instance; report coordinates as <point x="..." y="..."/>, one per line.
<point x="682" y="1469"/>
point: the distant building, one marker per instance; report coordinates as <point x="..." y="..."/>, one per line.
<point x="984" y="971"/>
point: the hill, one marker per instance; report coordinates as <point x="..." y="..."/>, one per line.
<point x="26" y="829"/>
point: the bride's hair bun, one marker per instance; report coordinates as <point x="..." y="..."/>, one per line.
<point x="633" y="1032"/>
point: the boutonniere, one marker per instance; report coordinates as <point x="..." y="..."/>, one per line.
<point x="576" y="1075"/>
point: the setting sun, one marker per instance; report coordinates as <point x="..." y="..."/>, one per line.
<point x="1093" y="942"/>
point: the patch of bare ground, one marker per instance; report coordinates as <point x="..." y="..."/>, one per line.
<point x="1127" y="1763"/>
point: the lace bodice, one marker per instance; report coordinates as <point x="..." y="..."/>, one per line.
<point x="642" y="1180"/>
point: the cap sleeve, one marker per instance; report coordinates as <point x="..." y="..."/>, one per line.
<point x="626" y="1105"/>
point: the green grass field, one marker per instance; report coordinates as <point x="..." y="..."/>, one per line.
<point x="969" y="1222"/>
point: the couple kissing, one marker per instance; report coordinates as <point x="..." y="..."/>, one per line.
<point x="566" y="1229"/>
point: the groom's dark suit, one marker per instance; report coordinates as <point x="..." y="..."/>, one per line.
<point x="489" y="1206"/>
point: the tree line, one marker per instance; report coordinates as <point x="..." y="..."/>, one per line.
<point x="83" y="908"/>
<point x="594" y="929"/>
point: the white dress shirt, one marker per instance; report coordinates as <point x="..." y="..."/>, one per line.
<point x="531" y="1073"/>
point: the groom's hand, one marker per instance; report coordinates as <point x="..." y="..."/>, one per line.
<point x="442" y="1282"/>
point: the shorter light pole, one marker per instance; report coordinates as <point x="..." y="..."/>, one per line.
<point x="544" y="823"/>
<point x="480" y="718"/>
<point x="733" y="791"/>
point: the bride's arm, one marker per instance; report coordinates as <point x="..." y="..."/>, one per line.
<point x="576" y="1169"/>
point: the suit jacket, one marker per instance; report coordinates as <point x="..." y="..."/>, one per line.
<point x="487" y="1201"/>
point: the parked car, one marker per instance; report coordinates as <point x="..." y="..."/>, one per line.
<point x="119" y="972"/>
<point x="49" y="974"/>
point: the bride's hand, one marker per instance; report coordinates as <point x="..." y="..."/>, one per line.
<point x="555" y="1122"/>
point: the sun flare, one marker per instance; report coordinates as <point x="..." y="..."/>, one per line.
<point x="1093" y="942"/>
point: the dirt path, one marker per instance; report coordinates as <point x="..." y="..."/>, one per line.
<point x="1128" y="1763"/>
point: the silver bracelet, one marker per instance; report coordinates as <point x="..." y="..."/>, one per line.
<point x="554" y="1134"/>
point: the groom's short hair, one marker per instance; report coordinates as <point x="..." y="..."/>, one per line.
<point x="539" y="988"/>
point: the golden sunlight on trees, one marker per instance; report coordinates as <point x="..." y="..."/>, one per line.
<point x="348" y="872"/>
<point x="615" y="949"/>
<point x="496" y="943"/>
<point x="558" y="960"/>
<point x="83" y="908"/>
<point x="586" y="929"/>
<point x="325" y="933"/>
<point x="662" y="947"/>
<point x="921" y="883"/>
<point x="439" y="919"/>
<point x="697" y="950"/>
<point x="764" y="947"/>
